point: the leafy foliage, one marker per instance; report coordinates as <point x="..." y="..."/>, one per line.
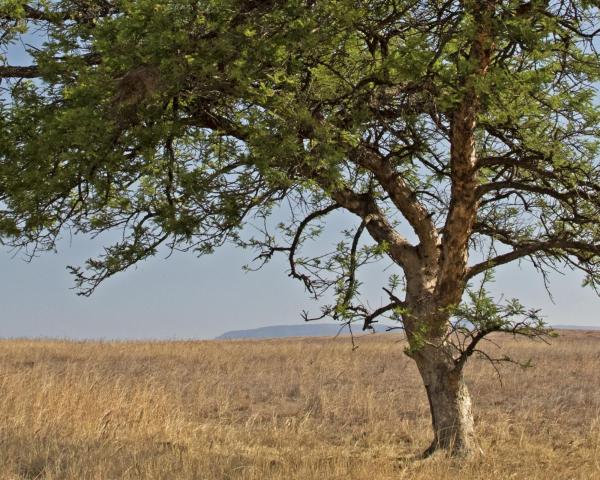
<point x="470" y="126"/>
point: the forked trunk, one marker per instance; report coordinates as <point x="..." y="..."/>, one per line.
<point x="449" y="403"/>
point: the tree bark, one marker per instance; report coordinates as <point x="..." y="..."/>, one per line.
<point x="449" y="403"/>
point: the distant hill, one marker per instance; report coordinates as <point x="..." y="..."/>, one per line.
<point x="575" y="327"/>
<point x="280" y="331"/>
<point x="326" y="330"/>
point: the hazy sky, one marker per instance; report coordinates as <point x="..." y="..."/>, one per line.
<point x="183" y="297"/>
<point x="187" y="297"/>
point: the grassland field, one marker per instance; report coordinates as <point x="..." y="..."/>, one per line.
<point x="287" y="409"/>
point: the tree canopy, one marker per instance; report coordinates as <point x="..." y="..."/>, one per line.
<point x="472" y="125"/>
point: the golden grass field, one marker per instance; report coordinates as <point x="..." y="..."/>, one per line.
<point x="286" y="409"/>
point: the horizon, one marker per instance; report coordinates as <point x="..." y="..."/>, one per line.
<point x="267" y="328"/>
<point x="201" y="298"/>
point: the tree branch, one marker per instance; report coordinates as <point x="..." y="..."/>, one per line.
<point x="463" y="206"/>
<point x="370" y="318"/>
<point x="296" y="241"/>
<point x="350" y="289"/>
<point x="30" y="71"/>
<point x="402" y="196"/>
<point x="530" y="248"/>
<point x="378" y="226"/>
<point x="574" y="193"/>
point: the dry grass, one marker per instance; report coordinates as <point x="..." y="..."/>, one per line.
<point x="287" y="409"/>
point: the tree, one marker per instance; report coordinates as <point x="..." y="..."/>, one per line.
<point x="461" y="135"/>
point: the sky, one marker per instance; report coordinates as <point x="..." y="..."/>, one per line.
<point x="184" y="297"/>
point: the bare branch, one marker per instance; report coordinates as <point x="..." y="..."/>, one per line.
<point x="30" y="71"/>
<point x="296" y="241"/>
<point x="403" y="197"/>
<point x="378" y="226"/>
<point x="369" y="319"/>
<point x="526" y="248"/>
<point x="351" y="283"/>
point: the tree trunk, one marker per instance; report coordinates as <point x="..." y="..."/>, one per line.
<point x="449" y="402"/>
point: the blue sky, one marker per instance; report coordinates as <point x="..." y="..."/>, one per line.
<point x="189" y="297"/>
<point x="183" y="297"/>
